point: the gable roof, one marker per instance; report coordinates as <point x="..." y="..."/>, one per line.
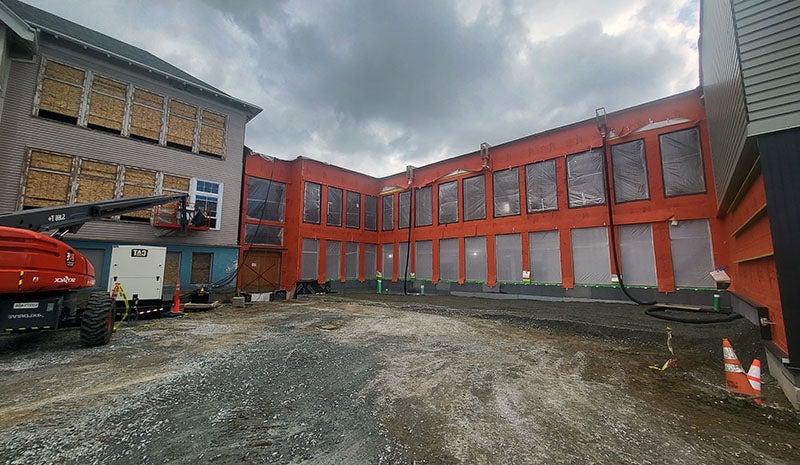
<point x="74" y="32"/>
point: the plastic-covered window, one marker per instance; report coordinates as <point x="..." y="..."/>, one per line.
<point x="636" y="252"/>
<point x="404" y="207"/>
<point x="370" y="260"/>
<point x="448" y="260"/>
<point x="312" y="197"/>
<point x="387" y="203"/>
<point x="474" y="198"/>
<point x="266" y="200"/>
<point x="475" y="258"/>
<point x="351" y="260"/>
<point x="353" y="210"/>
<point x="333" y="255"/>
<point x="423" y="207"/>
<point x="263" y="234"/>
<point x="402" y="260"/>
<point x="506" y="192"/>
<point x="370" y="213"/>
<point x="590" y="258"/>
<point x="423" y="259"/>
<point x="630" y="171"/>
<point x="540" y="186"/>
<point x="310" y="259"/>
<point x="448" y="202"/>
<point x="691" y="253"/>
<point x="545" y="255"/>
<point x="682" y="163"/>
<point x="387" y="260"/>
<point x="334" y="206"/>
<point x="585" y="179"/>
<point x="508" y="257"/>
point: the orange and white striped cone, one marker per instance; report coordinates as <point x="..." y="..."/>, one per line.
<point x="736" y="379"/>
<point x="176" y="299"/>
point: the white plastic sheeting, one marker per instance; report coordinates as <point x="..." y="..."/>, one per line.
<point x="630" y="171"/>
<point x="404" y="213"/>
<point x="691" y="253"/>
<point x="448" y="202"/>
<point x="423" y="259"/>
<point x="682" y="163"/>
<point x="506" y="192"/>
<point x="353" y="210"/>
<point x="474" y="198"/>
<point x="545" y="255"/>
<point x="266" y="200"/>
<point x="334" y="215"/>
<point x="508" y="257"/>
<point x="448" y="260"/>
<point x="312" y="196"/>
<point x="387" y="211"/>
<point x="309" y="266"/>
<point x="540" y="186"/>
<point x="370" y="213"/>
<point x="351" y="260"/>
<point x="387" y="261"/>
<point x="636" y="251"/>
<point x="401" y="261"/>
<point x="370" y="260"/>
<point x="475" y="258"/>
<point x="585" y="179"/>
<point x="333" y="257"/>
<point x="423" y="207"/>
<point x="591" y="262"/>
<point x="263" y="234"/>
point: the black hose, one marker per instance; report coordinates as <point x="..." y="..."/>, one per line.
<point x="704" y="316"/>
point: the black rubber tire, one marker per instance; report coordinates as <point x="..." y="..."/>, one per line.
<point x="97" y="320"/>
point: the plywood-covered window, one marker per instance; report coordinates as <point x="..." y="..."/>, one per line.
<point x="61" y="92"/>
<point x="212" y="133"/>
<point x="147" y="116"/>
<point x="48" y="180"/>
<point x="96" y="181"/>
<point x="107" y="102"/>
<point x="172" y="268"/>
<point x="181" y="125"/>
<point x="201" y="268"/>
<point x="138" y="183"/>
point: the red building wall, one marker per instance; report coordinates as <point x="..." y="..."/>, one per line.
<point x="685" y="109"/>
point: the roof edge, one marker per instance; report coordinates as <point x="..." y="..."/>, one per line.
<point x="17" y="25"/>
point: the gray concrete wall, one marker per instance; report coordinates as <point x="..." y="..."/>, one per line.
<point x="20" y="131"/>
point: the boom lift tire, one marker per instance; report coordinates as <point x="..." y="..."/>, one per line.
<point x="97" y="320"/>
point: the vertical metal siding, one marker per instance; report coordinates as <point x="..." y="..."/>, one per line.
<point x="20" y="131"/>
<point x="768" y="33"/>
<point x="721" y="80"/>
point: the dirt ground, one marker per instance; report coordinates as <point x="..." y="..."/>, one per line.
<point x="388" y="379"/>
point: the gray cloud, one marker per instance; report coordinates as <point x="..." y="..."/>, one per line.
<point x="377" y="85"/>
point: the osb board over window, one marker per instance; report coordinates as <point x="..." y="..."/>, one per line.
<point x="172" y="268"/>
<point x="212" y="133"/>
<point x="48" y="180"/>
<point x="62" y="90"/>
<point x="201" y="268"/>
<point x="172" y="184"/>
<point x="139" y="183"/>
<point x="181" y="125"/>
<point x="107" y="104"/>
<point x="146" y="115"/>
<point x="96" y="181"/>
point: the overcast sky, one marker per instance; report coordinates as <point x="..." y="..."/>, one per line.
<point x="377" y="85"/>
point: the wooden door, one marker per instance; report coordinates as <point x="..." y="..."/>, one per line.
<point x="260" y="271"/>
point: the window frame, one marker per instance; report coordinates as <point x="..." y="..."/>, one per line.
<point x="410" y="217"/>
<point x="383" y="221"/>
<point x="319" y="201"/>
<point x="603" y="175"/>
<point x="377" y="215"/>
<point x="464" y="202"/>
<point x="210" y="268"/>
<point x="328" y="206"/>
<point x="555" y="172"/>
<point x="416" y="206"/>
<point x="360" y="207"/>
<point x="219" y="196"/>
<point x="519" y="203"/>
<point x="646" y="171"/>
<point x="439" y="202"/>
<point x="702" y="163"/>
<point x="281" y="205"/>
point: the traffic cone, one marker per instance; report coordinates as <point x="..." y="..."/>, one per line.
<point x="176" y="299"/>
<point x="736" y="379"/>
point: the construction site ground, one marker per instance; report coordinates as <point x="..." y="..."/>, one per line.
<point x="366" y="379"/>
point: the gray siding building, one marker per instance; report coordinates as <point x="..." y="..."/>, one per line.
<point x="86" y="117"/>
<point x="750" y="75"/>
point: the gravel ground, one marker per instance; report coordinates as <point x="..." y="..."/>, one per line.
<point x="387" y="379"/>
